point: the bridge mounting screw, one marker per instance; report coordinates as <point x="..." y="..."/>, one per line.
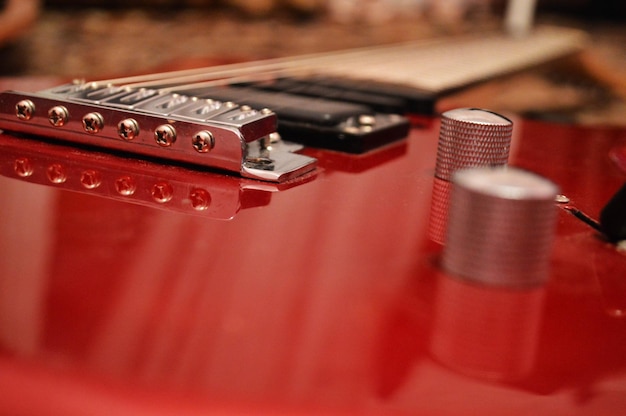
<point x="165" y="135"/>
<point x="128" y="129"/>
<point x="203" y="141"/>
<point x="25" y="109"/>
<point x="58" y="116"/>
<point x="93" y="122"/>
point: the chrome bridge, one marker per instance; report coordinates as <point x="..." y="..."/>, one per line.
<point x="183" y="128"/>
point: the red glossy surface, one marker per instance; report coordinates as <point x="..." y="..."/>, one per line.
<point x="325" y="298"/>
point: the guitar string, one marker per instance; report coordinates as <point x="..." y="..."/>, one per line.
<point x="368" y="56"/>
<point x="425" y="70"/>
<point x="269" y="75"/>
<point x="167" y="85"/>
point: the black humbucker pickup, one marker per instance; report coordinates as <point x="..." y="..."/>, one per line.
<point x="382" y="97"/>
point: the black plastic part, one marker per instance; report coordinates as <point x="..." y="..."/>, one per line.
<point x="613" y="217"/>
<point x="380" y="96"/>
<point x="342" y="141"/>
<point x="377" y="102"/>
<point x="416" y="101"/>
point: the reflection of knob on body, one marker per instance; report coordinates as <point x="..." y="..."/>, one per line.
<point x="495" y="263"/>
<point x="468" y="137"/>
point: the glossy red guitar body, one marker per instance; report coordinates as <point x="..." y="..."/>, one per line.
<point x="321" y="296"/>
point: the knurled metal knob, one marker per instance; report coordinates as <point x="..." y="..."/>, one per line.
<point x="490" y="291"/>
<point x="468" y="137"/>
<point x="500" y="227"/>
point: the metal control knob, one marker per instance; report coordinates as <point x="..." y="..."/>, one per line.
<point x="500" y="227"/>
<point x="490" y="292"/>
<point x="468" y="137"/>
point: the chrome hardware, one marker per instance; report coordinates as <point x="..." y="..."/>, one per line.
<point x="262" y="163"/>
<point x="278" y="164"/>
<point x="203" y="141"/>
<point x="237" y="117"/>
<point x="58" y="116"/>
<point x="105" y="93"/>
<point x="472" y="137"/>
<point x="128" y="129"/>
<point x="202" y="109"/>
<point x="93" y="123"/>
<point x="164" y="104"/>
<point x="165" y="135"/>
<point x="25" y="109"/>
<point x="367" y="120"/>
<point x="501" y="225"/>
<point x="129" y="99"/>
<point x="468" y="137"/>
<point x="223" y="135"/>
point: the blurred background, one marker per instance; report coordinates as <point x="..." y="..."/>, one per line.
<point x="98" y="38"/>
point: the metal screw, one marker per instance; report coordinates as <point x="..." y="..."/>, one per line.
<point x="265" y="144"/>
<point x="90" y="179"/>
<point x="56" y="173"/>
<point x="125" y="185"/>
<point x="367" y="120"/>
<point x="203" y="141"/>
<point x="128" y="129"/>
<point x="25" y="109"/>
<point x="162" y="192"/>
<point x="274" y="138"/>
<point x="165" y="135"/>
<point x="93" y="122"/>
<point x="58" y="116"/>
<point x="23" y="167"/>
<point x="262" y="163"/>
<point x="200" y="199"/>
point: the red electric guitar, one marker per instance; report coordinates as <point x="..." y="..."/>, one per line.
<point x="169" y="255"/>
